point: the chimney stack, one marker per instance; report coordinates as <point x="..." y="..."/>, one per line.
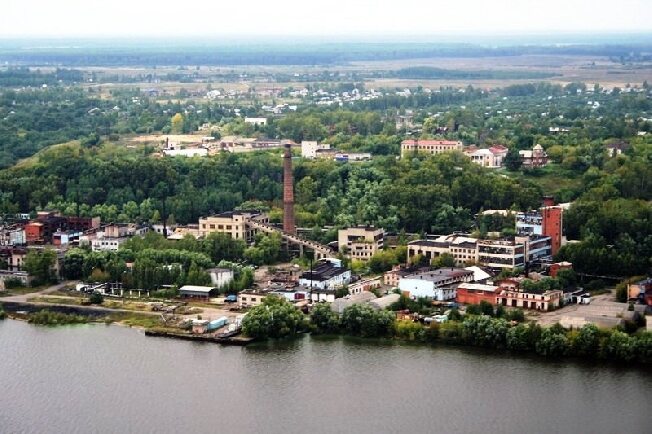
<point x="288" y="191"/>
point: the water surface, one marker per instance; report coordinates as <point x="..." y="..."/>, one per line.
<point x="109" y="379"/>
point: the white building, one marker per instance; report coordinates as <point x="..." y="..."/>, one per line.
<point x="256" y="121"/>
<point x="309" y="148"/>
<point x="103" y="244"/>
<point x="326" y="274"/>
<point x="439" y="285"/>
<point x="188" y="152"/>
<point x="220" y="277"/>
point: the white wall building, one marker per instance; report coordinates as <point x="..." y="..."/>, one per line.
<point x="326" y="274"/>
<point x="439" y="285"/>
<point x="309" y="148"/>
<point x="256" y="121"/>
<point x="220" y="277"/>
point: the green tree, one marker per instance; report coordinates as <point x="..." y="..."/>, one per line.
<point x="363" y="320"/>
<point x="513" y="160"/>
<point x="445" y="260"/>
<point x="274" y="318"/>
<point x="39" y="264"/>
<point x="323" y="319"/>
<point x="587" y="341"/>
<point x="552" y="343"/>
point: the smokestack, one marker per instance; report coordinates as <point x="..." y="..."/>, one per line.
<point x="288" y="191"/>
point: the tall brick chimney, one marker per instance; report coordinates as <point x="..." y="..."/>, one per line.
<point x="288" y="191"/>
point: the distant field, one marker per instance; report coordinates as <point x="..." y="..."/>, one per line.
<point x="588" y="69"/>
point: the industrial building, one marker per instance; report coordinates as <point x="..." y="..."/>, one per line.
<point x="361" y="242"/>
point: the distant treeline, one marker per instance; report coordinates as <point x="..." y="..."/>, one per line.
<point x="428" y="72"/>
<point x="25" y="77"/>
<point x="285" y="54"/>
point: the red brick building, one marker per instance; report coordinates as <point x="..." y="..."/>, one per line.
<point x="474" y="293"/>
<point x="552" y="226"/>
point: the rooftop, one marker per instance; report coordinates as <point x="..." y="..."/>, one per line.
<point x="441" y="275"/>
<point x="323" y="271"/>
<point x="194" y="288"/>
<point x="479" y="287"/>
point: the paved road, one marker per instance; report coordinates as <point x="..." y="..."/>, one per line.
<point x="22" y="298"/>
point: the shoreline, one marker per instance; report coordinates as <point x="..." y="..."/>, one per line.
<point x="599" y="353"/>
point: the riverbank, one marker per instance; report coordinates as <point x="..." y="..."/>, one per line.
<point x="479" y="331"/>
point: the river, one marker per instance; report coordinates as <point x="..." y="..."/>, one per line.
<point x="110" y="379"/>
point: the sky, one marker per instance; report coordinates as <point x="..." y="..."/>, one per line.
<point x="328" y="18"/>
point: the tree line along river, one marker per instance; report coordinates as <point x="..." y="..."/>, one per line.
<point x="110" y="379"/>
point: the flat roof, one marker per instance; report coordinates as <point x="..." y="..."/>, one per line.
<point x="194" y="288"/>
<point x="479" y="287"/>
<point x="440" y="275"/>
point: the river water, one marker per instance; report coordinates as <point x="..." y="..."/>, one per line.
<point x="109" y="379"/>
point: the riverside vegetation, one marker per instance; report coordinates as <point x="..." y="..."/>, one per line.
<point x="277" y="318"/>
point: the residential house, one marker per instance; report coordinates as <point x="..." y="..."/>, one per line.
<point x="536" y="157"/>
<point x="617" y="148"/>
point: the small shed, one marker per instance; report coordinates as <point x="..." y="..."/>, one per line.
<point x="193" y="291"/>
<point x="199" y="326"/>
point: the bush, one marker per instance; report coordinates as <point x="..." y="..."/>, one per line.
<point x="551" y="343"/>
<point x="484" y="331"/>
<point x="324" y="320"/>
<point x="473" y="309"/>
<point x="274" y="318"/>
<point x="595" y="285"/>
<point x="13" y="283"/>
<point x="363" y="320"/>
<point x="643" y="346"/>
<point x="450" y="332"/>
<point x="47" y="317"/>
<point x="409" y="330"/>
<point x="587" y="341"/>
<point x="454" y="315"/>
<point x="619" y="346"/>
<point x="486" y="308"/>
<point x="523" y="338"/>
<point x="515" y="315"/>
<point x="96" y="298"/>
